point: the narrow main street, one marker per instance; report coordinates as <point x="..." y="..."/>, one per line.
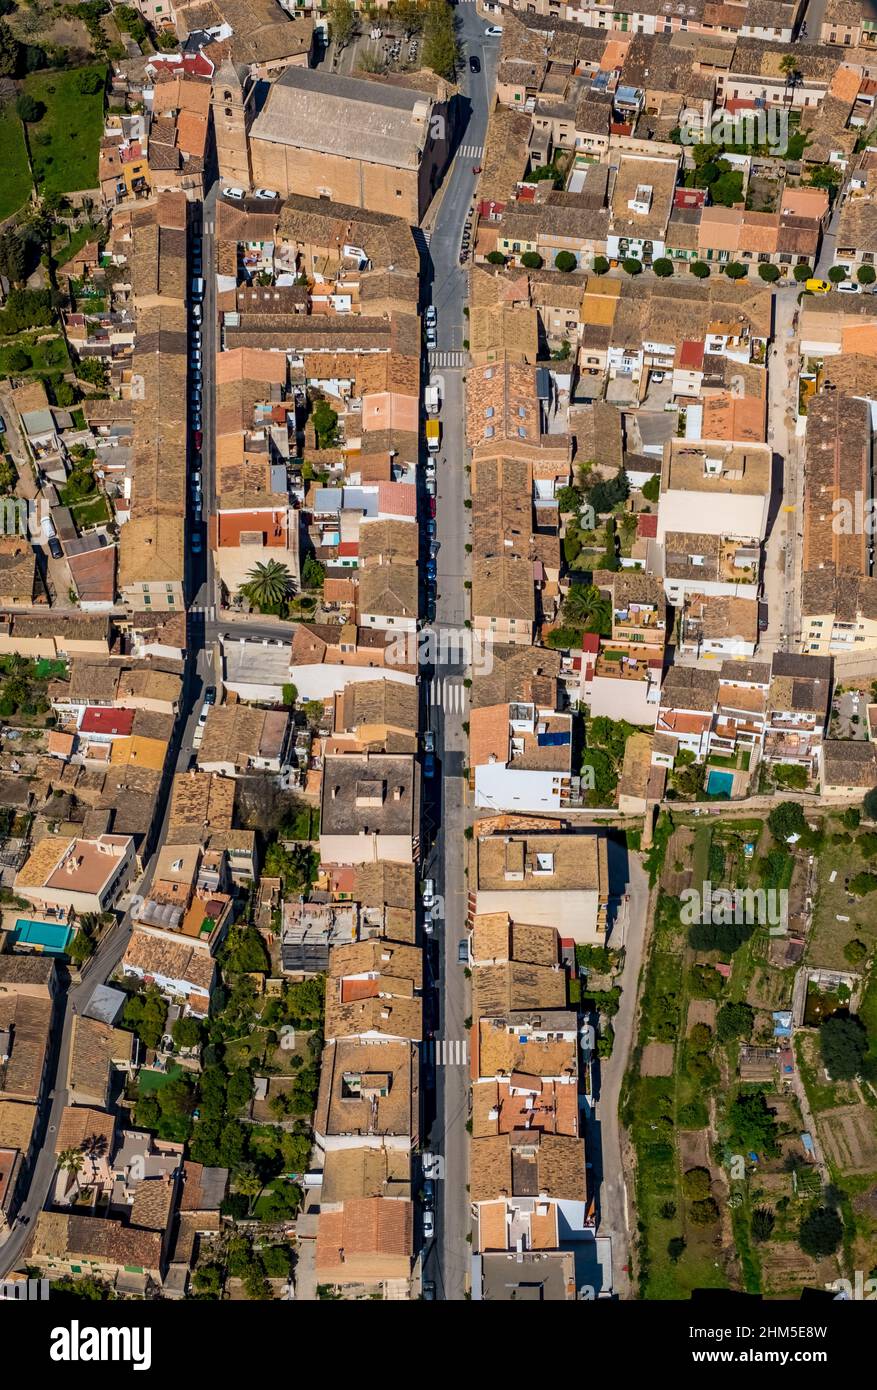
<point x="446" y="1262"/>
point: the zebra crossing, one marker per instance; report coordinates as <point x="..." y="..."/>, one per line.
<point x="470" y="152"/>
<point x="447" y="1052"/>
<point x="208" y="610"/>
<point x="448" y="692"/>
<point x="452" y="358"/>
<point x="427" y="235"/>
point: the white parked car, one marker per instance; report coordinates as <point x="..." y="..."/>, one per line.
<point x="493" y="31"/>
<point x="268" y="194"/>
<point x="428" y="1225"/>
<point x="237" y="194"/>
<point x="849" y="287"/>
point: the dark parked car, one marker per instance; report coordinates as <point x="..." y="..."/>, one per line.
<point x="429" y="765"/>
<point x="196" y="461"/>
<point x="432" y="506"/>
<point x="431" y="569"/>
<point x="474" y="64"/>
<point x="197" y="438"/>
<point x="210" y="695"/>
<point x="55" y="548"/>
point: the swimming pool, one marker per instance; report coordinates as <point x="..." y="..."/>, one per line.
<point x="52" y="938"/>
<point x="719" y="783"/>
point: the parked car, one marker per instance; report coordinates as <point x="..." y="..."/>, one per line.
<point x="268" y="194"/>
<point x="474" y="64"/>
<point x="849" y="287"/>
<point x="429" y="741"/>
<point x="429" y="765"/>
<point x="197" y="438"/>
<point x="196" y="542"/>
<point x="427" y="892"/>
<point x="55" y="549"/>
<point x="431" y="339"/>
<point x="210" y="695"/>
<point x="195" y="421"/>
<point x="493" y="31"/>
<point x="428" y="1225"/>
<point x="430" y="316"/>
<point x="237" y="194"/>
<point x="196" y="462"/>
<point x="431" y="571"/>
<point x="430" y="487"/>
<point x="197" y="313"/>
<point x="430" y="609"/>
<point x="463" y="951"/>
<point x="428" y="1192"/>
<point x="427" y="1290"/>
<point x="432" y="506"/>
<point x="431" y="528"/>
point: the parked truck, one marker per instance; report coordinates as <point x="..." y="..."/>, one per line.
<point x="433" y="435"/>
<point x="431" y="399"/>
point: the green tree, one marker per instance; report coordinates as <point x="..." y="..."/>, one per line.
<point x="762" y="1224"/>
<point x="866" y="275"/>
<point x="17" y="360"/>
<point x="30" y="111"/>
<point x="10" y="51"/>
<point x="565" y="261"/>
<point x="601" y="265"/>
<point x="249" y="1183"/>
<point x="735" y="271"/>
<point x="855" y="951"/>
<point x="663" y="267"/>
<point x="244" y="952"/>
<point x="496" y="258"/>
<point x="441" y="49"/>
<point x="837" y="274"/>
<point x="325" y="422"/>
<point x="843" y="1042"/>
<point x="869" y="804"/>
<point x="697" y="1184"/>
<point x="752" y="1125"/>
<point x="676" y="1248"/>
<point x="13" y="255"/>
<point x="632" y="266"/>
<point x="269" y="584"/>
<point x="703" y="1213"/>
<point x="290" y="694"/>
<point x="802" y="273"/>
<point x="313" y="573"/>
<point x="186" y="1032"/>
<point x="586" y="607"/>
<point x="769" y="273"/>
<point x="71" y="1161"/>
<point x="820" y="1233"/>
<point x="531" y="260"/>
<point x="734" y="1021"/>
<point x="208" y="1280"/>
<point x="700" y="269"/>
<point x="342" y="22"/>
<point x="786" y="819"/>
<point x="651" y="490"/>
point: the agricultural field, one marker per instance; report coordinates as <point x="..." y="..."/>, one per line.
<point x="65" y="143"/>
<point x="839" y="916"/>
<point x="723" y="1179"/>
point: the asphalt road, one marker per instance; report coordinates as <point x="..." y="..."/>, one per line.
<point x="447" y="1258"/>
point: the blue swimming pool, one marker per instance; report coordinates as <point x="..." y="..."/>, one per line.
<point x="719" y="783"/>
<point x="52" y="938"/>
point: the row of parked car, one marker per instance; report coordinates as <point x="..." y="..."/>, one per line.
<point x="196" y="383"/>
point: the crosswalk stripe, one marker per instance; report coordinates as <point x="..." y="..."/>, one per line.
<point x="447" y="1052"/>
<point x="452" y="358"/>
<point x="470" y="152"/>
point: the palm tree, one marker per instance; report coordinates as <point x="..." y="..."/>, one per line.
<point x="794" y="77"/>
<point x="249" y="1184"/>
<point x="71" y="1161"/>
<point x="763" y="1220"/>
<point x="268" y="585"/>
<point x="584" y="606"/>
